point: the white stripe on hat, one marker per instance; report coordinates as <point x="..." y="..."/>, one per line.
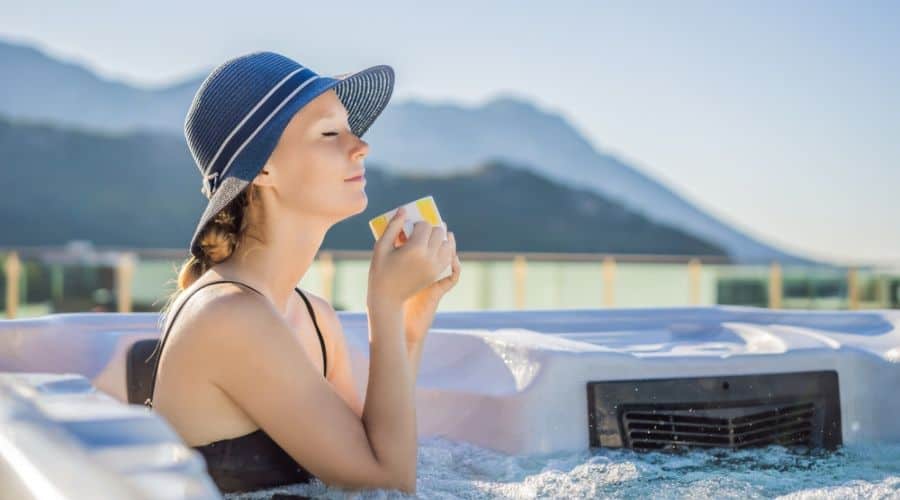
<point x="264" y="122"/>
<point x="249" y="114"/>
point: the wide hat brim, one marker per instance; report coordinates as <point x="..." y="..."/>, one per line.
<point x="364" y="94"/>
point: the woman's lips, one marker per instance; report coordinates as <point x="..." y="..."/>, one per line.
<point x="356" y="179"/>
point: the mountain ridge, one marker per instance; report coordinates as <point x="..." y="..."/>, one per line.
<point x="412" y="136"/>
<point x="156" y="200"/>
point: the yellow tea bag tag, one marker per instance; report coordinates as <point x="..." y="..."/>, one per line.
<point x="422" y="209"/>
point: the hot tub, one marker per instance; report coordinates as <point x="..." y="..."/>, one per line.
<point x="548" y="381"/>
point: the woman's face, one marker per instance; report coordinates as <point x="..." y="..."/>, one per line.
<point x="315" y="155"/>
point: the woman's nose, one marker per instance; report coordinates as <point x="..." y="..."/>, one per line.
<point x="361" y="149"/>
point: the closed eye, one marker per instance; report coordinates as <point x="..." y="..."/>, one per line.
<point x="330" y="134"/>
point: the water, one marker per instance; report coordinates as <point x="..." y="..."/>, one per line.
<point x="449" y="470"/>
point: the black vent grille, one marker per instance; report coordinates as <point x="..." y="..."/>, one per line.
<point x="662" y="427"/>
<point x="741" y="411"/>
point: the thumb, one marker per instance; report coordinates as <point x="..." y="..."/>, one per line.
<point x="395" y="225"/>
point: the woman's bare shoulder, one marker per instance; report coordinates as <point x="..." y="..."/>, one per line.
<point x="326" y="316"/>
<point x="223" y="311"/>
<point x="320" y="304"/>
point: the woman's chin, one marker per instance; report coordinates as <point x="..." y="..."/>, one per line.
<point x="361" y="204"/>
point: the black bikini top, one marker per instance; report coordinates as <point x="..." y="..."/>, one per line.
<point x="253" y="461"/>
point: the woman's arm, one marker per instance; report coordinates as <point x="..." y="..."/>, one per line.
<point x="389" y="414"/>
<point x="340" y="369"/>
<point x="259" y="362"/>
<point x="414" y="351"/>
<point x="340" y="366"/>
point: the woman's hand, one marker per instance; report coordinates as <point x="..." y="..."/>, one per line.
<point x="419" y="309"/>
<point x="396" y="274"/>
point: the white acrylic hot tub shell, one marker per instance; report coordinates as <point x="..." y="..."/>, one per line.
<point x="515" y="381"/>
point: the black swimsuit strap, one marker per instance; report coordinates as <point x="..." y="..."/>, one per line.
<point x="312" y="314"/>
<point x="161" y="343"/>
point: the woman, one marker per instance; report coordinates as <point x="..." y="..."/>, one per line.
<point x="255" y="372"/>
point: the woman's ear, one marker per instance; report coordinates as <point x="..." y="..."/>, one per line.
<point x="263" y="178"/>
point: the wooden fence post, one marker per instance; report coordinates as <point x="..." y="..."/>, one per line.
<point x="13" y="268"/>
<point x="775" y="285"/>
<point x="694" y="277"/>
<point x="520" y="268"/>
<point x="124" y="279"/>
<point x="609" y="282"/>
<point x="852" y="289"/>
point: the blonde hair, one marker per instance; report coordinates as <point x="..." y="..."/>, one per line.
<point x="218" y="241"/>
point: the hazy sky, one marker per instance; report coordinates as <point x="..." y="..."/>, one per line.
<point x="782" y="118"/>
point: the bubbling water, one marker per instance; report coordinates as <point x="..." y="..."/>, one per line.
<point x="450" y="470"/>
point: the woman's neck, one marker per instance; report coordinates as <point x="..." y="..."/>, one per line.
<point x="275" y="266"/>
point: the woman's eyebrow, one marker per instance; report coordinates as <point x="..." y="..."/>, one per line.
<point x="333" y="115"/>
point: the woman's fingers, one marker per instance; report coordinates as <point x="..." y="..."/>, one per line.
<point x="420" y="233"/>
<point x="437" y="236"/>
<point x="457" y="266"/>
<point x="395" y="225"/>
<point x="451" y="280"/>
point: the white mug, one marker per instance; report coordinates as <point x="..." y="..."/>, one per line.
<point x="423" y="209"/>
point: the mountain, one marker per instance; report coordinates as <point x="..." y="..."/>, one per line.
<point x="415" y="136"/>
<point x="410" y="137"/>
<point x="38" y="87"/>
<point x="142" y="189"/>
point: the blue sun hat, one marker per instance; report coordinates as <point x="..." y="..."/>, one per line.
<point x="242" y="107"/>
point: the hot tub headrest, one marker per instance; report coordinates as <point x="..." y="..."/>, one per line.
<point x="139" y="370"/>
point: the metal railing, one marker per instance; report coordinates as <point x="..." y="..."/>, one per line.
<point x="123" y="262"/>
